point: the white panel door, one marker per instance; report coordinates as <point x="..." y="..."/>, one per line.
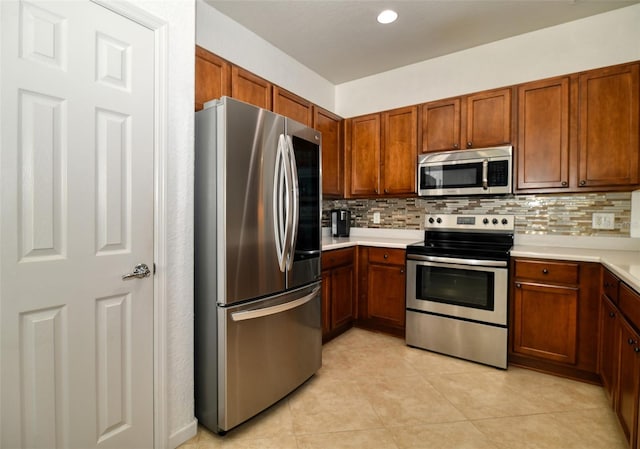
<point x="76" y="195"/>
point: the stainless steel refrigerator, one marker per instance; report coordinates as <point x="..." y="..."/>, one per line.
<point x="257" y="260"/>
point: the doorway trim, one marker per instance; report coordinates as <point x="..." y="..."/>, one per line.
<point x="160" y="29"/>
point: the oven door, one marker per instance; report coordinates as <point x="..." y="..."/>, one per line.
<point x="460" y="288"/>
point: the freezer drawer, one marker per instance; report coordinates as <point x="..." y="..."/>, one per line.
<point x="266" y="349"/>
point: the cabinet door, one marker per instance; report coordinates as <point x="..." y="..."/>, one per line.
<point x="331" y="127"/>
<point x="608" y="350"/>
<point x="292" y="106"/>
<point x="386" y="293"/>
<point x="543" y="135"/>
<point x="488" y="117"/>
<point x="609" y="127"/>
<point x="247" y="87"/>
<point x="440" y="127"/>
<point x="546" y="321"/>
<point x="342" y="282"/>
<point x="365" y="155"/>
<point x="213" y="77"/>
<point x="400" y="131"/>
<point x="628" y="381"/>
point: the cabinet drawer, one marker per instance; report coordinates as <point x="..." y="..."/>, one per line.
<point x="629" y="304"/>
<point x="610" y="286"/>
<point x="386" y="256"/>
<point x="557" y="272"/>
<point x="337" y="257"/>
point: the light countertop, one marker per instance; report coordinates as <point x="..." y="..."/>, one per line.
<point x="620" y="255"/>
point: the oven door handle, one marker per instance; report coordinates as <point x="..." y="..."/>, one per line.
<point x="476" y="262"/>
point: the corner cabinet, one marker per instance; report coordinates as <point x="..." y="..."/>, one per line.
<point x="554" y="311"/>
<point x="381" y="289"/>
<point x="619" y="351"/>
<point x="579" y="133"/>
<point x="338" y="291"/>
<point x="478" y="120"/>
<point x="382" y="153"/>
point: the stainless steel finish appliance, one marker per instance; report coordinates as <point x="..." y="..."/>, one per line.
<point x="486" y="171"/>
<point x="257" y="260"/>
<point x="340" y="222"/>
<point x="457" y="284"/>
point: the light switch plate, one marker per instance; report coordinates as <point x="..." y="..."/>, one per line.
<point x="601" y="220"/>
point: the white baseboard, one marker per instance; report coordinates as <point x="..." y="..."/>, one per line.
<point x="183" y="435"/>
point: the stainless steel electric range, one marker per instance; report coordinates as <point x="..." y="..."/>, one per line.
<point x="457" y="284"/>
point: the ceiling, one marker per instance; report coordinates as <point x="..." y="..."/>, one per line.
<point x="341" y="39"/>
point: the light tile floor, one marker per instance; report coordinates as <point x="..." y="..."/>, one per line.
<point x="375" y="392"/>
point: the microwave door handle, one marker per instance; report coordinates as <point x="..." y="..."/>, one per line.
<point x="485" y="174"/>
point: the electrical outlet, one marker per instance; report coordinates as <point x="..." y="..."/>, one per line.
<point x="602" y="220"/>
<point x="376" y="218"/>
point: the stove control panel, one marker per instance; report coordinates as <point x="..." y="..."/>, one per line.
<point x="476" y="222"/>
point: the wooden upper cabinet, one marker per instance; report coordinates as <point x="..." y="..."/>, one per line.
<point x="488" y="118"/>
<point x="440" y="125"/>
<point x="609" y="126"/>
<point x="213" y="77"/>
<point x="542" y="156"/>
<point x="400" y="131"/>
<point x="331" y="127"/>
<point x="364" y="155"/>
<point x="292" y="106"/>
<point x="247" y="87"/>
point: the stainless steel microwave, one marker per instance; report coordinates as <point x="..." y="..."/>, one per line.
<point x="486" y="171"/>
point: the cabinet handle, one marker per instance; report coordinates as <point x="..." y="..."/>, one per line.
<point x="565" y="183"/>
<point x="636" y="349"/>
<point x="631" y="341"/>
<point x="583" y="183"/>
<point x="545" y="271"/>
<point x="469" y="144"/>
<point x="612" y="314"/>
<point x="518" y="285"/>
<point x="386" y="190"/>
<point x="386" y="256"/>
<point x="401" y="270"/>
<point x="456" y="146"/>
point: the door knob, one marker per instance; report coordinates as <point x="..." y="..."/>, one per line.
<point x="140" y="271"/>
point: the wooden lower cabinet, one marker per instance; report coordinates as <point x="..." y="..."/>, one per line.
<point x="382" y="278"/>
<point x="338" y="291"/>
<point x="626" y="405"/>
<point x="554" y="312"/>
<point x="607" y="353"/>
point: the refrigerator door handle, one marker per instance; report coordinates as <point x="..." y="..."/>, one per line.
<point x="294" y="198"/>
<point x="281" y="205"/>
<point x="259" y="313"/>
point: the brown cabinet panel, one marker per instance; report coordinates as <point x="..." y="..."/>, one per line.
<point x="342" y="307"/>
<point x="488" y="118"/>
<point x="338" y="294"/>
<point x="247" y="87"/>
<point x="400" y="131"/>
<point x="331" y="127"/>
<point x="365" y="155"/>
<point x="629" y="305"/>
<point x="543" y="134"/>
<point x="609" y="126"/>
<point x="628" y="381"/>
<point x="292" y="106"/>
<point x="213" y="77"/>
<point x="546" y="271"/>
<point x="386" y="293"/>
<point x="440" y="125"/>
<point x="608" y="348"/>
<point x="546" y="321"/>
<point x="610" y="286"/>
<point x="386" y="256"/>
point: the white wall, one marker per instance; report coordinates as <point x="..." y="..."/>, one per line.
<point x="597" y="41"/>
<point x="235" y="43"/>
<point x="180" y="16"/>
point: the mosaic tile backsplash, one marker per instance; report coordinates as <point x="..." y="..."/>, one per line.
<point x="535" y="214"/>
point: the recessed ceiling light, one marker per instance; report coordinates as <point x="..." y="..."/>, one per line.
<point x="387" y="16"/>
